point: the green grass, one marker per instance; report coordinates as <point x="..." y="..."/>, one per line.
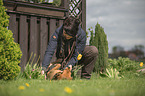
<point x="131" y="85"/>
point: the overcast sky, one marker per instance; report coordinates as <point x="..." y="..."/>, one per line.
<point x="123" y="21"/>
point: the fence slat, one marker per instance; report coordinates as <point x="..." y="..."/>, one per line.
<point x="84" y="15"/>
<point x="52" y="28"/>
<point x="23" y="40"/>
<point x="43" y="38"/>
<point x="60" y="22"/>
<point x="33" y="38"/>
<point x="13" y="26"/>
<point x="66" y="6"/>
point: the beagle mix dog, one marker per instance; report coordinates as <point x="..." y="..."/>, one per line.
<point x="57" y="74"/>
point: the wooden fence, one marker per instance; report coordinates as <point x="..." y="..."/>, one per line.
<point x="33" y="24"/>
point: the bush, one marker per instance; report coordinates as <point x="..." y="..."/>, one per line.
<point x="123" y="64"/>
<point x="10" y="53"/>
<point x="99" y="39"/>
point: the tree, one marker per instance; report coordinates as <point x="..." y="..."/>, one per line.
<point x="118" y="51"/>
<point x="92" y="36"/>
<point x="99" y="39"/>
<point x="138" y="50"/>
<point x="10" y="53"/>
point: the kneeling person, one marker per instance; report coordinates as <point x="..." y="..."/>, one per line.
<point x="69" y="40"/>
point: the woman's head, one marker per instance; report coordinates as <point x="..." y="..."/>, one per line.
<point x="70" y="26"/>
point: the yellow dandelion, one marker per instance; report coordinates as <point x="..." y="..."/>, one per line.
<point x="141" y="64"/>
<point x="41" y="90"/>
<point x="68" y="90"/>
<point x="80" y="80"/>
<point x="27" y="84"/>
<point x="50" y="81"/>
<point x="21" y="87"/>
<point x="79" y="57"/>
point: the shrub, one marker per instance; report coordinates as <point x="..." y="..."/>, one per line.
<point x="123" y="64"/>
<point x="99" y="39"/>
<point x="10" y="53"/>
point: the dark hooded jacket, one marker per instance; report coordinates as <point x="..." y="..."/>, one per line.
<point x="56" y="42"/>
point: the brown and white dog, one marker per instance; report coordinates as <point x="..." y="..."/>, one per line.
<point x="56" y="74"/>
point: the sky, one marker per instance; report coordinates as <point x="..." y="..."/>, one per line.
<point x="123" y="21"/>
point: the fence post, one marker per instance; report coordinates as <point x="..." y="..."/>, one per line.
<point x="84" y="15"/>
<point x="66" y="6"/>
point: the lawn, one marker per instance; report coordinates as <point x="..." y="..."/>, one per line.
<point x="130" y="85"/>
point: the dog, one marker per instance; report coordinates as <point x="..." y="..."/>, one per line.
<point x="56" y="74"/>
<point x="53" y="71"/>
<point x="65" y="75"/>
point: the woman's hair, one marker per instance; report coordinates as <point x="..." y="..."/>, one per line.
<point x="71" y="25"/>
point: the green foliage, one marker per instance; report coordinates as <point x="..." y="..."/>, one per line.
<point x="92" y="36"/>
<point x="35" y="1"/>
<point x="10" y="53"/>
<point x="87" y="34"/>
<point x="32" y="71"/>
<point x="111" y="73"/>
<point x="123" y="64"/>
<point x="4" y="18"/>
<point x="99" y="39"/>
<point x="57" y="2"/>
<point x="75" y="71"/>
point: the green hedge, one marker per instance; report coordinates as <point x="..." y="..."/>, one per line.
<point x="10" y="53"/>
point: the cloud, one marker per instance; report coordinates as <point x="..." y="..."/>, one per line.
<point x="123" y="20"/>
